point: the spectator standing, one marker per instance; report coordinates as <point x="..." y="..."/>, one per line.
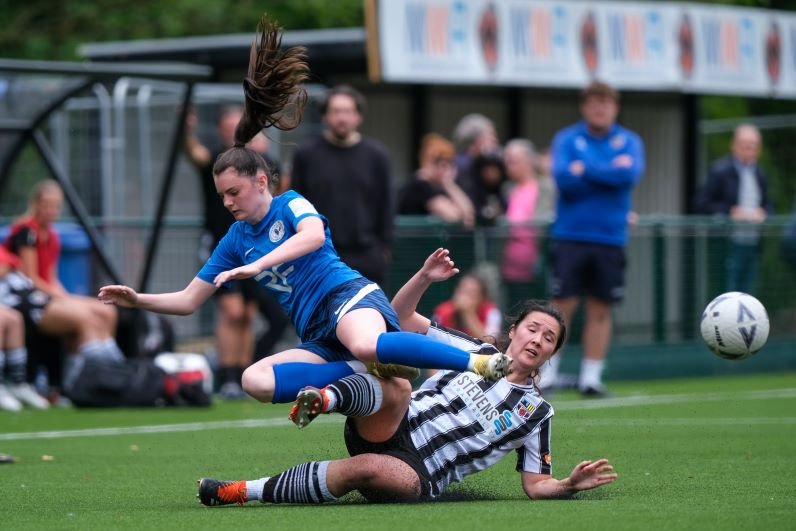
<point x="520" y="255"/>
<point x="433" y="189"/>
<point x="596" y="165"/>
<point x="737" y="187"/>
<point x="237" y="305"/>
<point x="347" y="177"/>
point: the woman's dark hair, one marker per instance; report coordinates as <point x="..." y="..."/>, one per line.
<point x="274" y="97"/>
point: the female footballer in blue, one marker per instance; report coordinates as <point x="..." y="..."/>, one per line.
<point x="342" y="319"/>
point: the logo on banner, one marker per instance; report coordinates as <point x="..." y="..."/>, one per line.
<point x="588" y="43"/>
<point x="488" y="36"/>
<point x="773" y="53"/>
<point x="685" y="40"/>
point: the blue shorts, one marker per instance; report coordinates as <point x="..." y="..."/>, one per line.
<point x="587" y="269"/>
<point x="321" y="336"/>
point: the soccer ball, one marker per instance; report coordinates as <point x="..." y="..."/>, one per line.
<point x="735" y="325"/>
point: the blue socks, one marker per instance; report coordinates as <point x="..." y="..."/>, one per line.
<point x="417" y="350"/>
<point x="290" y="378"/>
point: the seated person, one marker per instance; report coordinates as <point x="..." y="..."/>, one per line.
<point x="33" y="238"/>
<point x="470" y="309"/>
<point x="14" y="390"/>
<point x="96" y="373"/>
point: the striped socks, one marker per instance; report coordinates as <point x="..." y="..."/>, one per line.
<point x="305" y="483"/>
<point x="358" y="395"/>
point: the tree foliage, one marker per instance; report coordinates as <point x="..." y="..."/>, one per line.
<point x="44" y="29"/>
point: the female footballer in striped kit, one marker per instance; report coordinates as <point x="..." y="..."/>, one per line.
<point x="408" y="447"/>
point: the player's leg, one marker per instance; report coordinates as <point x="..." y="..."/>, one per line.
<point x="377" y="405"/>
<point x="280" y="377"/>
<point x="381" y="477"/>
<point x="363" y="331"/>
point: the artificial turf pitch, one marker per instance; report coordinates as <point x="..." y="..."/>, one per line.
<point x="717" y="453"/>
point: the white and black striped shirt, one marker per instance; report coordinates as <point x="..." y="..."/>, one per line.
<point x="461" y="424"/>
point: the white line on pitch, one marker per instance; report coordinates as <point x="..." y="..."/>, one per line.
<point x="629" y="401"/>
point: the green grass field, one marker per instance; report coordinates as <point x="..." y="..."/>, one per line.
<point x="716" y="453"/>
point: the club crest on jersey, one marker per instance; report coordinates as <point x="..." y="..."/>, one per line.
<point x="524" y="409"/>
<point x="618" y="141"/>
<point x="277" y="231"/>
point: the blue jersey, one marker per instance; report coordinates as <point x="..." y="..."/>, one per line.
<point x="299" y="284"/>
<point x="593" y="207"/>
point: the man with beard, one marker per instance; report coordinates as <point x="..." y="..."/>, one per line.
<point x="347" y="177"/>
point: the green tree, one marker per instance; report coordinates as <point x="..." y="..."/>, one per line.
<point x="44" y="29"/>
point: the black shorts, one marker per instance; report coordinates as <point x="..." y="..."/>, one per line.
<point x="17" y="292"/>
<point x="399" y="446"/>
<point x="587" y="269"/>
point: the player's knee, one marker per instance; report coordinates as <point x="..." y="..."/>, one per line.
<point x="363" y="350"/>
<point x="258" y="382"/>
<point x="396" y="390"/>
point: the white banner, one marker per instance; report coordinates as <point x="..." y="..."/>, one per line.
<point x="643" y="46"/>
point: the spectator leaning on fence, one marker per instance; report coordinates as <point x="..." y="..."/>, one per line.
<point x="737" y="187"/>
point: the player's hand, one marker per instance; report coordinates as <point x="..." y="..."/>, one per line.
<point x="439" y="266"/>
<point x="238" y="273"/>
<point x="589" y="475"/>
<point x="124" y="296"/>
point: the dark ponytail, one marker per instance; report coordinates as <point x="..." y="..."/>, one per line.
<point x="274" y="97"/>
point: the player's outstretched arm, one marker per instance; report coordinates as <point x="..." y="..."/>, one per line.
<point x="183" y="302"/>
<point x="586" y="475"/>
<point x="437" y="267"/>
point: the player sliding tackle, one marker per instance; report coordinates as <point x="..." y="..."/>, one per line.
<point x="408" y="446"/>
<point x="343" y="320"/>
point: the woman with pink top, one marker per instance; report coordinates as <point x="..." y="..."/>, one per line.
<point x="520" y="254"/>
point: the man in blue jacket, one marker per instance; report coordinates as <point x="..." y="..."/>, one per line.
<point x="736" y="187"/>
<point x="596" y="165"/>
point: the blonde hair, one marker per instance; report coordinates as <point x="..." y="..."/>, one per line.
<point x="40" y="189"/>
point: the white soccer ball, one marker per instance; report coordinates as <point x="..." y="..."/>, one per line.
<point x="735" y="325"/>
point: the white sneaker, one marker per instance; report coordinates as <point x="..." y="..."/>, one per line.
<point x="7" y="400"/>
<point x="25" y="393"/>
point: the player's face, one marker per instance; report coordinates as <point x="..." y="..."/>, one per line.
<point x="599" y="112"/>
<point x="342" y="118"/>
<point x="533" y="341"/>
<point x="243" y="196"/>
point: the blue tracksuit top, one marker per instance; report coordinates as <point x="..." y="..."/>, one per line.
<point x="593" y="206"/>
